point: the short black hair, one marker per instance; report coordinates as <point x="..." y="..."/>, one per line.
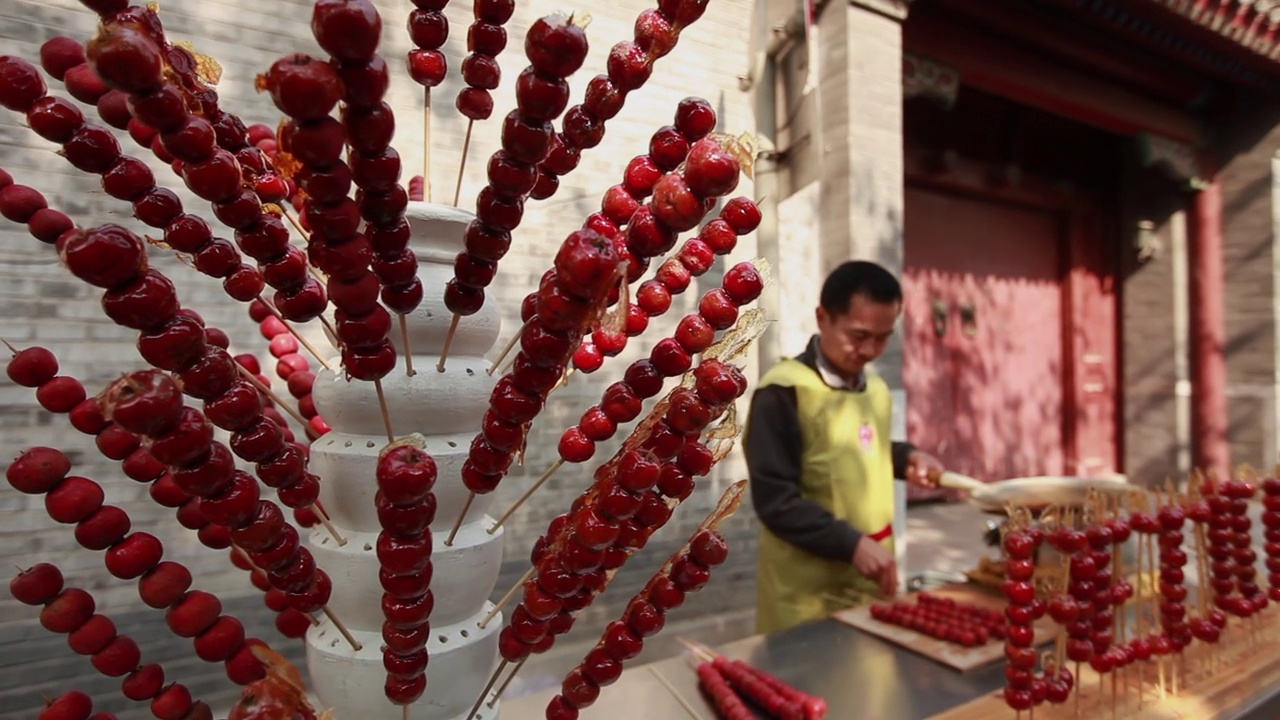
<point x="858" y="277"/>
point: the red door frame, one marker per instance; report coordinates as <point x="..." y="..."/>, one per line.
<point x="1083" y="257"/>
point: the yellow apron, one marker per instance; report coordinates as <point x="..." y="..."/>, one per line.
<point x="847" y="467"/>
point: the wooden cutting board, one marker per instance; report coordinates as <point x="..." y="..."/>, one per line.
<point x="949" y="654"/>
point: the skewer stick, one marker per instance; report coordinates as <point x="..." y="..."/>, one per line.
<point x="448" y="340"/>
<point x="293" y="220"/>
<point x="503" y="687"/>
<point x="564" y="380"/>
<point x="703" y="652"/>
<point x="466" y="145"/>
<point x="328" y="326"/>
<point x="301" y="340"/>
<point x="426" y="144"/>
<point x="527" y="493"/>
<point x="323" y="517"/>
<point x="458" y="523"/>
<point x="14" y="350"/>
<point x="506" y="350"/>
<point x="487" y="687"/>
<point x="355" y="645"/>
<point x="262" y="388"/>
<point x="506" y="598"/>
<point x="386" y="414"/>
<point x="675" y="693"/>
<point x="408" y="352"/>
<point x="404" y="712"/>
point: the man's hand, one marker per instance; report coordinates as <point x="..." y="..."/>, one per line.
<point x="923" y="469"/>
<point x="875" y="562"/>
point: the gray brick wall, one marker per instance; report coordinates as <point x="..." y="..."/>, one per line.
<point x="41" y="303"/>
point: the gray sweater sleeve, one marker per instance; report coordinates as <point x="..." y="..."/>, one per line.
<point x="773" y="448"/>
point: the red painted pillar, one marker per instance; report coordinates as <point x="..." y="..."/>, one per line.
<point x="1210" y="450"/>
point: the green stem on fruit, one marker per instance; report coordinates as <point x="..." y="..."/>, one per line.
<point x="458" y="523"/>
<point x="506" y="598"/>
<point x="527" y="494"/>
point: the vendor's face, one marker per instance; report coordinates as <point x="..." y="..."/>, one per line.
<point x="857" y="336"/>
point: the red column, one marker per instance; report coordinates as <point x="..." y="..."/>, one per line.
<point x="1210" y="450"/>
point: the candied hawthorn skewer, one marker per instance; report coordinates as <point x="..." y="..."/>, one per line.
<point x="687" y="570"/>
<point x="556" y="48"/>
<point x="73" y="705"/>
<point x="190" y="76"/>
<point x="175" y="340"/>
<point x="428" y="29"/>
<point x="349" y="30"/>
<point x="1024" y="690"/>
<point x="406" y="504"/>
<point x="695" y="257"/>
<point x="587" y="267"/>
<point x="486" y="39"/>
<point x="632" y="497"/>
<point x="111" y="257"/>
<point x="1250" y="598"/>
<point x="73" y="612"/>
<point x="37" y="367"/>
<point x="210" y="171"/>
<point x="812" y="706"/>
<point x="291" y="366"/>
<point x="1271" y="533"/>
<point x="307" y="90"/>
<point x="92" y="148"/>
<point x="629" y="65"/>
<point x="670" y="357"/>
<point x="723" y="697"/>
<point x="128" y="556"/>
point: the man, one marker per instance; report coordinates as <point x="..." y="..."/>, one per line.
<point x="820" y="459"/>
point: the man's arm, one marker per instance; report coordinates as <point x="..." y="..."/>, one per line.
<point x="773" y="447"/>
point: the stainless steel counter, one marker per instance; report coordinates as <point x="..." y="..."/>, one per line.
<point x="861" y="677"/>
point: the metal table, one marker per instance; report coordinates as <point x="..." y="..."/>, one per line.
<point x="861" y="676"/>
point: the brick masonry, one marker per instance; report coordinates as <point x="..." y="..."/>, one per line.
<point x="42" y="304"/>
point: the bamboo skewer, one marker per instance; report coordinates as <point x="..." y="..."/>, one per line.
<point x="355" y="645"/>
<point x="503" y="687"/>
<point x="408" y="351"/>
<point x="506" y="598"/>
<point x="487" y="687"/>
<point x="453" y="533"/>
<point x="462" y="166"/>
<point x="386" y="413"/>
<point x="542" y="479"/>
<point x="693" y="713"/>
<point x="293" y="331"/>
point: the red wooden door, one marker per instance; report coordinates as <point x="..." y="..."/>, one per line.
<point x="984" y="365"/>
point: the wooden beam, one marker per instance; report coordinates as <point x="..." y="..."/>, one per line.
<point x="989" y="65"/>
<point x="1101" y="54"/>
